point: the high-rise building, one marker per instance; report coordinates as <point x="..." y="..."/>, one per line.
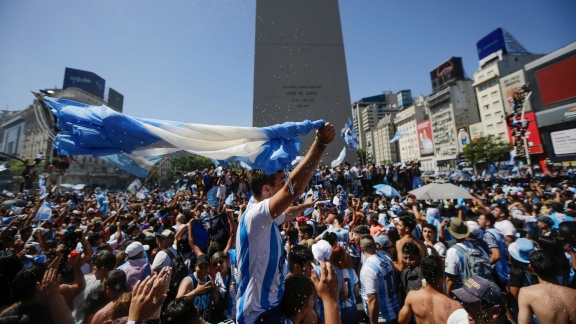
<point x="499" y="55"/>
<point x="406" y="121"/>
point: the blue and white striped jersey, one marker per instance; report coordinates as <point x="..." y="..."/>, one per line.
<point x="377" y="277"/>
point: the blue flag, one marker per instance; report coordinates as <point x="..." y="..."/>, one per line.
<point x="44" y="212"/>
<point x="399" y="133"/>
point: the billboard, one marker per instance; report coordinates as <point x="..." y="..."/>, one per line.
<point x="115" y="100"/>
<point x="476" y="131"/>
<point x="425" y="138"/>
<point x="463" y="137"/>
<point x="557" y="81"/>
<point x="447" y="72"/>
<point x="491" y="43"/>
<point x="509" y="84"/>
<point x="533" y="134"/>
<point x="84" y="80"/>
<point x="564" y="142"/>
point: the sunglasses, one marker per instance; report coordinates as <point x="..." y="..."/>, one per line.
<point x="217" y="263"/>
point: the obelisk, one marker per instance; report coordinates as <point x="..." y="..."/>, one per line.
<point x="300" y="67"/>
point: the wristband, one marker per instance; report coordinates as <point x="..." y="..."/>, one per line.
<point x="133" y="322"/>
<point x="317" y="141"/>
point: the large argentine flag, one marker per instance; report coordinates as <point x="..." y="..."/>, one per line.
<point x="99" y="131"/>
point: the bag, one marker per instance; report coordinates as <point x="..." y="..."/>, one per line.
<point x="179" y="272"/>
<point x="474" y="264"/>
<point x="501" y="266"/>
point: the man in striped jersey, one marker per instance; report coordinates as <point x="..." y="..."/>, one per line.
<point x="379" y="288"/>
<point x="258" y="241"/>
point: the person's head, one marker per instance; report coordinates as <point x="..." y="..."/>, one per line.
<point x="432" y="269"/>
<point x="411" y="255"/>
<point x="482" y="299"/>
<point x="500" y="212"/>
<point x="338" y="257"/>
<point x="410" y="198"/>
<point x="165" y="239"/>
<point x="220" y="261"/>
<point x="558" y="207"/>
<point x="567" y="231"/>
<point x="429" y="232"/>
<point x="300" y="260"/>
<point x="458" y="229"/>
<point x="135" y="251"/>
<point x="544" y="222"/>
<point x="298" y="298"/>
<point x="367" y="244"/>
<point x="264" y="185"/>
<point x="331" y="238"/>
<point x="103" y="262"/>
<point x="305" y="231"/>
<point x="405" y="225"/>
<point x="545" y="265"/>
<point x="359" y="231"/>
<point x="24" y="285"/>
<point x="181" y="310"/>
<point x="115" y="284"/>
<point x="486" y="221"/>
<point x="338" y="221"/>
<point x="383" y="242"/>
<point x="202" y="266"/>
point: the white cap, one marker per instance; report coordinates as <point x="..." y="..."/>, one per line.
<point x="475" y="229"/>
<point x="322" y="250"/>
<point x="134" y="248"/>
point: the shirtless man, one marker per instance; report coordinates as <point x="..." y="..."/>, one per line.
<point x="550" y="302"/>
<point x="405" y="225"/>
<point x="429" y="304"/>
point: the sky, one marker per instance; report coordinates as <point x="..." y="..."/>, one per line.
<point x="193" y="60"/>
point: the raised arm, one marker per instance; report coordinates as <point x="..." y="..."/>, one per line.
<point x="303" y="172"/>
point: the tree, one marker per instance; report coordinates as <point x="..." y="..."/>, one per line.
<point x="188" y="164"/>
<point x="488" y="149"/>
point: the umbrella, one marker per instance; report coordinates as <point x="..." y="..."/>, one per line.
<point x="386" y="190"/>
<point x="14" y="202"/>
<point x="440" y="190"/>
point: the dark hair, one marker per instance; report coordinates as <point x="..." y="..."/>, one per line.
<point x="408" y="221"/>
<point x="306" y="229"/>
<point x="299" y="254"/>
<point x="410" y="248"/>
<point x="545" y="265"/>
<point x="257" y="179"/>
<point x="24" y="285"/>
<point x="292" y="235"/>
<point x="339" y="219"/>
<point x="489" y="217"/>
<point x="181" y="310"/>
<point x="567" y="229"/>
<point x="503" y="209"/>
<point x="430" y="227"/>
<point x="10" y="265"/>
<point x="432" y="268"/>
<point x="298" y="289"/>
<point x="116" y="280"/>
<point x="371" y="245"/>
<point x="331" y="238"/>
<point x="362" y="229"/>
<point x="104" y="259"/>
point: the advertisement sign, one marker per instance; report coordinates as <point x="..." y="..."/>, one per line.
<point x="425" y="138"/>
<point x="556" y="82"/>
<point x="447" y="72"/>
<point x="491" y="43"/>
<point x="463" y="137"/>
<point x="84" y="80"/>
<point x="510" y="84"/>
<point x="564" y="142"/>
<point x="476" y="131"/>
<point x="533" y="134"/>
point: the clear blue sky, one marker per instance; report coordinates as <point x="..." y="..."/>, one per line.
<point x="193" y="60"/>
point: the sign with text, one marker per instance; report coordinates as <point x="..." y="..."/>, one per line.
<point x="447" y="72"/>
<point x="564" y="142"/>
<point x="84" y="80"/>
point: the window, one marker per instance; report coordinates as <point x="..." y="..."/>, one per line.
<point x="486" y="107"/>
<point x="489" y="116"/>
<point x="484" y="98"/>
<point x="490" y="127"/>
<point x="494" y="94"/>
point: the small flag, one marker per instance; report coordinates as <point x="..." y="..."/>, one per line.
<point x="229" y="200"/>
<point x="350" y="135"/>
<point x="339" y="159"/>
<point x="44" y="212"/>
<point x="399" y="133"/>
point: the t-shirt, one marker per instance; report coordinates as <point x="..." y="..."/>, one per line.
<point x="202" y="302"/>
<point x="506" y="228"/>
<point x="260" y="258"/>
<point x="78" y="301"/>
<point x="377" y="277"/>
<point x="162" y="259"/>
<point x="223" y="285"/>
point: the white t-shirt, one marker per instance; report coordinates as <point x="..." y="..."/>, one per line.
<point x="453" y="263"/>
<point x="506" y="228"/>
<point x="459" y="316"/>
<point x="162" y="259"/>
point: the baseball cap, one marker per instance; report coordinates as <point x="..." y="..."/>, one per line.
<point x="383" y="241"/>
<point x="204" y="258"/>
<point x="322" y="250"/>
<point x="134" y="248"/>
<point x="546" y="220"/>
<point x="166" y="233"/>
<point x="477" y="289"/>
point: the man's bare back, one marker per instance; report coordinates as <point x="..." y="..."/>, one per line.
<point x="428" y="306"/>
<point x="550" y="303"/>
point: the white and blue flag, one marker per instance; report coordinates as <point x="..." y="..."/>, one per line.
<point x="399" y="133"/>
<point x="339" y="159"/>
<point x="101" y="131"/>
<point x="44" y="212"/>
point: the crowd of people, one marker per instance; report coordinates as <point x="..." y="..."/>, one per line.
<point x="308" y="246"/>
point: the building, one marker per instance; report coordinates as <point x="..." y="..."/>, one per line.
<point x="452" y="109"/>
<point x="552" y="79"/>
<point x="379" y="149"/>
<point x="499" y="56"/>
<point x="406" y="121"/>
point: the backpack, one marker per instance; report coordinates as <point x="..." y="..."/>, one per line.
<point x="474" y="264"/>
<point x="501" y="267"/>
<point x="179" y="272"/>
